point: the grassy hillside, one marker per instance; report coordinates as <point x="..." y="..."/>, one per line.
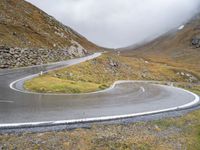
<point x="101" y="72"/>
<point x="29" y="36"/>
<point x="23" y="25"/>
<point x="179" y="48"/>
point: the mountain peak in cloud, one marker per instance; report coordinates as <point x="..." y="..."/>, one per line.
<point x="117" y="23"/>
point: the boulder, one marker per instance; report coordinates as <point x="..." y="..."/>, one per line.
<point x="196" y="41"/>
<point x="76" y="51"/>
<point x="113" y="63"/>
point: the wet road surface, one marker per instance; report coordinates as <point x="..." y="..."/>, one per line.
<point x="123" y="98"/>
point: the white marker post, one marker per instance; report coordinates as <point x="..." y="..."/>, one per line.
<point x="118" y="53"/>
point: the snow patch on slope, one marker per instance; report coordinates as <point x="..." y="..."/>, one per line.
<point x="181" y="27"/>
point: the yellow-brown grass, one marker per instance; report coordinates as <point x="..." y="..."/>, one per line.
<point x="101" y="72"/>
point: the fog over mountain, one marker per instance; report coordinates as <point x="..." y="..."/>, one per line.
<point x="120" y="23"/>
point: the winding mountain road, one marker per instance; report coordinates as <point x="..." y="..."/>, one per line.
<point x="123" y="99"/>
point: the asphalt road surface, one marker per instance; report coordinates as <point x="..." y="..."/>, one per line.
<point x="124" y="99"/>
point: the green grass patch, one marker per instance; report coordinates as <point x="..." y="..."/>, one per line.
<point x="51" y="84"/>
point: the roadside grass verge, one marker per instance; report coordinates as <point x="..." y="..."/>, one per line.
<point x="102" y="72"/>
<point x="51" y="84"/>
<point x="195" y="88"/>
<point x="188" y="127"/>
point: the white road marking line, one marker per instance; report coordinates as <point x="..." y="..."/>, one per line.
<point x="6" y="101"/>
<point x="142" y="88"/>
<point x="194" y="102"/>
<point x="78" y="60"/>
<point x="14" y="125"/>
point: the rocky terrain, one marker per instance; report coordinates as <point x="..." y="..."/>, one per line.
<point x="196" y="41"/>
<point x="19" y="57"/>
<point x="29" y="36"/>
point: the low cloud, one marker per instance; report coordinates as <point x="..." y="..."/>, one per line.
<point x="119" y="23"/>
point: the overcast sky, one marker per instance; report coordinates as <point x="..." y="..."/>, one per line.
<point x="119" y="23"/>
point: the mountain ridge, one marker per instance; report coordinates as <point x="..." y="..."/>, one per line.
<point x="28" y="36"/>
<point x="179" y="48"/>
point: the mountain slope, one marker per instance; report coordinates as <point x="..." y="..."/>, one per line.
<point x="180" y="48"/>
<point x="26" y="27"/>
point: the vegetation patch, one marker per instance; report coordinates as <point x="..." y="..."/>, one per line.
<point x="102" y="72"/>
<point x="51" y="84"/>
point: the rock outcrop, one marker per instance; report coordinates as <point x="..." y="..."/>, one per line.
<point x="76" y="50"/>
<point x="196" y="41"/>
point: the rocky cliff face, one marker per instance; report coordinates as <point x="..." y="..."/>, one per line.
<point x="29" y="36"/>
